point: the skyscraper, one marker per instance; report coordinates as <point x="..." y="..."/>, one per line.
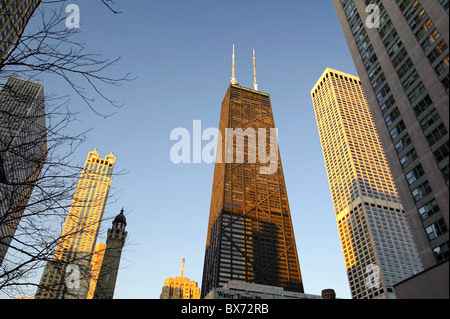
<point x="250" y="235"/>
<point x="376" y="240"/>
<point x="106" y="283"/>
<point x="180" y="287"/>
<point x="96" y="265"/>
<point x="69" y="273"/>
<point x="400" y="50"/>
<point x="15" y="15"/>
<point x="23" y="150"/>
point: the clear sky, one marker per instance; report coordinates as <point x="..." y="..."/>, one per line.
<point x="180" y="53"/>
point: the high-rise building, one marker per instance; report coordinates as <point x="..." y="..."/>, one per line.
<point x="68" y="274"/>
<point x="376" y="240"/>
<point x="96" y="265"/>
<point x="23" y="150"/>
<point x="400" y="50"/>
<point x="106" y="283"/>
<point x="250" y="235"/>
<point x="180" y="287"/>
<point x="14" y="16"/>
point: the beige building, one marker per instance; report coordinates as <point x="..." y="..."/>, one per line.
<point x="376" y="240"/>
<point x="96" y="265"/>
<point x="180" y="287"/>
<point x="68" y="275"/>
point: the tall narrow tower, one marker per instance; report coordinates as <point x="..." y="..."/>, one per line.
<point x="68" y="275"/>
<point x="23" y="151"/>
<point x="110" y="267"/>
<point x="250" y="236"/>
<point x="376" y="240"/>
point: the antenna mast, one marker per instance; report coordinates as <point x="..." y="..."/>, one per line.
<point x="233" y="78"/>
<point x="182" y="268"/>
<point x="255" y="84"/>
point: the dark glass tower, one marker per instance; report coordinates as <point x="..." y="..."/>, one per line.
<point x="23" y="150"/>
<point x="14" y="16"/>
<point x="250" y="234"/>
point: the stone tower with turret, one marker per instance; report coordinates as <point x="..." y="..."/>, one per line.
<point x="110" y="267"/>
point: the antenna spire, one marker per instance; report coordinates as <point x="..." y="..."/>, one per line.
<point x="233" y="78"/>
<point x="182" y="268"/>
<point x="255" y="84"/>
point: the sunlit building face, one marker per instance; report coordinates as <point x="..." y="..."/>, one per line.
<point x="377" y="243"/>
<point x="76" y="246"/>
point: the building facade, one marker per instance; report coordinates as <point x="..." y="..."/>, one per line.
<point x="14" y="16"/>
<point x="250" y="235"/>
<point x="106" y="283"/>
<point x="403" y="64"/>
<point x="96" y="266"/>
<point x="243" y="290"/>
<point x="23" y="150"/>
<point x="180" y="287"/>
<point x="376" y="240"/>
<point x="68" y="275"/>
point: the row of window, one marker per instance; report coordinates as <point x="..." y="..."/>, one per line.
<point x="413" y="86"/>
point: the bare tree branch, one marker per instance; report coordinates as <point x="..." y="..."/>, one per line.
<point x="37" y="187"/>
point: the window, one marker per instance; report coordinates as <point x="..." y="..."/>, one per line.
<point x="367" y="53"/>
<point x="370" y="62"/>
<point x="398" y="129"/>
<point x="442" y="66"/>
<point x="421" y="191"/>
<point x="424" y="29"/>
<point x="392" y="116"/>
<point x="419" y="18"/>
<point x="374" y="72"/>
<point x="442" y="152"/>
<point x="384" y="91"/>
<point x="395" y="47"/>
<point x="423" y="105"/>
<point x="408" y="158"/>
<point x="445" y="173"/>
<point x="404" y="68"/>
<point x="387" y="104"/>
<point x="436" y="135"/>
<point x="441" y="252"/>
<point x="418" y="90"/>
<point x="435" y="230"/>
<point x="445" y="4"/>
<point x="414" y="174"/>
<point x="432" y="37"/>
<point x="403" y="143"/>
<point x="429" y="209"/>
<point x="399" y="58"/>
<point x="409" y="81"/>
<point x="430" y="119"/>
<point x="378" y="81"/>
<point x="437" y="51"/>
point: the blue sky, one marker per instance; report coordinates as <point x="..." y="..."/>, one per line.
<point x="180" y="53"/>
